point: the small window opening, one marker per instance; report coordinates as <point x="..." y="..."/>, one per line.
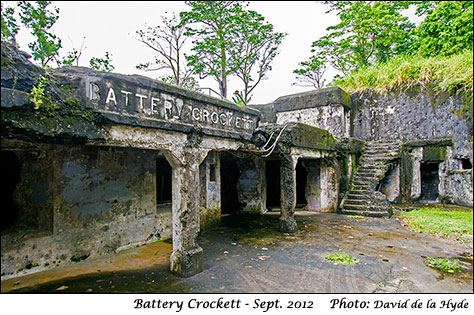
<point x="163" y="181"/>
<point x="466" y="164"/>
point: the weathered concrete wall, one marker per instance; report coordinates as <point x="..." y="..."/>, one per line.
<point x="334" y="118"/>
<point x="390" y="185"/>
<point x="327" y="108"/>
<point x="86" y="202"/>
<point x="416" y="113"/>
<point x="455" y="183"/>
<point x="421" y="113"/>
<point x="322" y="186"/>
<point x="210" y="180"/>
<point x="252" y="185"/>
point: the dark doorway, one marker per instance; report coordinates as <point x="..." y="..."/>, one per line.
<point x="229" y="180"/>
<point x="301" y="178"/>
<point x="10" y="170"/>
<point x="429" y="181"/>
<point x="466" y="164"/>
<point x="163" y="184"/>
<point x="272" y="176"/>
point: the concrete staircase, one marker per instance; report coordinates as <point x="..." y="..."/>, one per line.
<point x="363" y="197"/>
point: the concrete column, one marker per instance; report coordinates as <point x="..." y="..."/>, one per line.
<point x="288" y="193"/>
<point x="416" y="156"/>
<point x="186" y="257"/>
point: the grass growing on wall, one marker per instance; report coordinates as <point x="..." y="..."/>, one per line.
<point x="447" y="73"/>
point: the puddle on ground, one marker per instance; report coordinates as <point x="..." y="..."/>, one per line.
<point x="150" y="280"/>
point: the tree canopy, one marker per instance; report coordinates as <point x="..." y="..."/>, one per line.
<point x="168" y="41"/>
<point x="371" y="32"/>
<point x="230" y="40"/>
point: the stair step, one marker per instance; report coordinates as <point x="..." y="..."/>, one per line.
<point x="358" y="182"/>
<point x="360" y="188"/>
<point x="366" y="171"/>
<point x="377" y="157"/>
<point x="357" y="202"/>
<point x="366" y="213"/>
<point x="352" y="196"/>
<point x="382" y="145"/>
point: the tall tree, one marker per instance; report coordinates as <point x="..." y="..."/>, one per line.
<point x="447" y="28"/>
<point x="213" y="26"/>
<point x="312" y="71"/>
<point x="254" y="49"/>
<point x="168" y="41"/>
<point x="39" y="18"/>
<point x="368" y="31"/>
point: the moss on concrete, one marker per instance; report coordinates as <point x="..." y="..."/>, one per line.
<point x="434" y="153"/>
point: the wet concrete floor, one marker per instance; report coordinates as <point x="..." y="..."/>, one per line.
<point x="247" y="254"/>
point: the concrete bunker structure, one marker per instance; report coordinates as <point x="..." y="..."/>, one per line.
<point x="108" y="161"/>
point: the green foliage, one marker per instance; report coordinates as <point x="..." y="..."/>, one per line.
<point x="375" y="46"/>
<point x="447" y="29"/>
<point x="238" y="98"/>
<point x="213" y="38"/>
<point x="168" y="41"/>
<point x="356" y="216"/>
<point x="439" y="222"/>
<point x="73" y="56"/>
<point x="40" y="100"/>
<point x="368" y="31"/>
<point x="40" y="19"/>
<point x="189" y="83"/>
<point x="102" y="64"/>
<point x="445" y="264"/>
<point x="311" y="72"/>
<point x="446" y="73"/>
<point x="343" y="259"/>
<point x="229" y="40"/>
<point x="9" y="25"/>
<point x="37" y="93"/>
<point x="255" y="47"/>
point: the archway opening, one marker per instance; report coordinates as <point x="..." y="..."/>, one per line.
<point x="301" y="180"/>
<point x="11" y="171"/>
<point x="164" y="185"/>
<point x="429" y="181"/>
<point x="229" y="181"/>
<point x="272" y="176"/>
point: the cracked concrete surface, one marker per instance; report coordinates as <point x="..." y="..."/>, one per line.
<point x="248" y="254"/>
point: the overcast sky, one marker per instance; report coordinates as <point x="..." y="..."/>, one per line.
<point x="111" y="26"/>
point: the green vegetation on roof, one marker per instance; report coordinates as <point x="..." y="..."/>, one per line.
<point x="446" y="73"/>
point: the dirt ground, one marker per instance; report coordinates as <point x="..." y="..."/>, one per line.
<point x="247" y="254"/>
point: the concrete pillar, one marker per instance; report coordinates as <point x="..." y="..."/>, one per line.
<point x="186" y="257"/>
<point x="416" y="156"/>
<point x="288" y="193"/>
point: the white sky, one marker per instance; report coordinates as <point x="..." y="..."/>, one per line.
<point x="111" y="26"/>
